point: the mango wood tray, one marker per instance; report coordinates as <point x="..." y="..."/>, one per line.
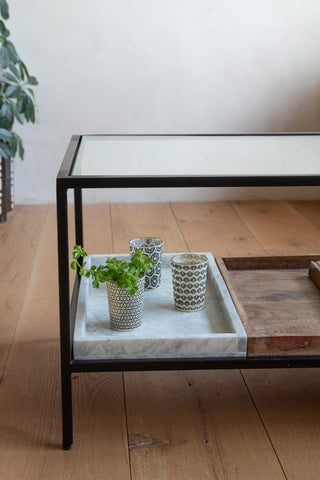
<point x="277" y="302"/>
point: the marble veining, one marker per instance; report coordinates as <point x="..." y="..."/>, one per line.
<point x="165" y="332"/>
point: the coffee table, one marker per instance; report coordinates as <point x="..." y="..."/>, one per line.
<point x="146" y="161"/>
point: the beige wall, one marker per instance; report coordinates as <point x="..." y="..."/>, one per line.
<point x="169" y="66"/>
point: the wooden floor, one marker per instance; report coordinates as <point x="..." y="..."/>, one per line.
<point x="219" y="425"/>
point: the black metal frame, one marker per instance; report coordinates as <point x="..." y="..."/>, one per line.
<point x="68" y="308"/>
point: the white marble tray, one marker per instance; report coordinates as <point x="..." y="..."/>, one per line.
<point x="216" y="331"/>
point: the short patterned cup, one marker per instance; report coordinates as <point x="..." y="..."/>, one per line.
<point x="189" y="277"/>
<point x="152" y="248"/>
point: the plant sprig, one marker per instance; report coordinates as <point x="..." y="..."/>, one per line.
<point x="16" y="93"/>
<point x="125" y="273"/>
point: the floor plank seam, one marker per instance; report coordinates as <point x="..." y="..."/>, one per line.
<point x="127" y="424"/>
<point x="178" y="225"/>
<point x="247" y="226"/>
<point x="290" y="203"/>
<point x="264" y="426"/>
<point x="110" y="226"/>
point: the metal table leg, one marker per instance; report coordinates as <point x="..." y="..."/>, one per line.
<point x="64" y="303"/>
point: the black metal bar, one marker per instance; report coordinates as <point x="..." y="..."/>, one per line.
<point x="67" y="421"/>
<point x="78" y="216"/>
<point x="194" y="363"/>
<point x="64" y="299"/>
<point x="73" y="306"/>
<point x="70" y="156"/>
<point x="276" y="134"/>
<point x="191" y="181"/>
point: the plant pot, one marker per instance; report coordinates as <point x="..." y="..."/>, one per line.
<point x="125" y="310"/>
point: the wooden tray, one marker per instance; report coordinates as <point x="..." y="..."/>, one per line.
<point x="277" y="302"/>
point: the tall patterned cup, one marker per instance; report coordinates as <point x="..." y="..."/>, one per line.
<point x="189" y="277"/>
<point x="151" y="247"/>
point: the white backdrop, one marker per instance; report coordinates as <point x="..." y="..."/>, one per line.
<point x="163" y="66"/>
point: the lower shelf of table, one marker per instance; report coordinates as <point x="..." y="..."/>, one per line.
<point x="256" y="307"/>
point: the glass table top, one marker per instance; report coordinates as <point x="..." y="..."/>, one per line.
<point x="198" y="155"/>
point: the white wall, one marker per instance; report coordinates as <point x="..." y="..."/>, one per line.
<point x="169" y="66"/>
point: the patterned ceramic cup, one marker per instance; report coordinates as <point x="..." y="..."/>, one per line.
<point x="189" y="277"/>
<point x="152" y="248"/>
<point x="125" y="310"/>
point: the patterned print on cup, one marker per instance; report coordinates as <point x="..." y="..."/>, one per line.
<point x="189" y="277"/>
<point x="152" y="248"/>
<point x="125" y="310"/>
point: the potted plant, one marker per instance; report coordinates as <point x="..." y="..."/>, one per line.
<point x="124" y="280"/>
<point x="16" y="104"/>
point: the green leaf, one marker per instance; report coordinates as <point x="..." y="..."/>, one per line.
<point x="13" y="91"/>
<point x="28" y="109"/>
<point x="14" y="57"/>
<point x="4" y="9"/>
<point x="21" y="149"/>
<point x="14" y="144"/>
<point x="10" y="77"/>
<point x="5" y="151"/>
<point x="5" y="135"/>
<point x="4" y="57"/>
<point x="6" y="116"/>
<point x="20" y="105"/>
<point x="78" y="252"/>
<point x="32" y="81"/>
<point x="23" y="70"/>
<point x="3" y="30"/>
<point x="30" y="92"/>
<point x="74" y="265"/>
<point x="15" y="71"/>
<point x="19" y="116"/>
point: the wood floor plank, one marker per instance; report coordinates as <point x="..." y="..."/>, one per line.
<point x="279" y="228"/>
<point x="288" y="402"/>
<point x="196" y="425"/>
<point x="19" y="238"/>
<point x="30" y="442"/>
<point x="97" y="235"/>
<point x="310" y="210"/>
<point x="216" y="228"/>
<point x="143" y="220"/>
<point x="171" y="436"/>
<point x="97" y="232"/>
